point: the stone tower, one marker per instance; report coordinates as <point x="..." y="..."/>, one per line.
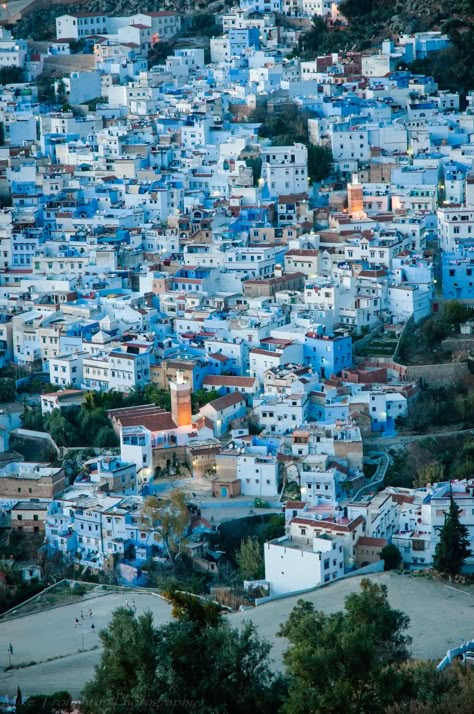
<point x="180" y="400"/>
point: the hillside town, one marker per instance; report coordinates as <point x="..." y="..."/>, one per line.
<point x="210" y="269"/>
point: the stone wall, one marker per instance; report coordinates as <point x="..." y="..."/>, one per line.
<point x="439" y="375"/>
<point x="164" y="457"/>
<point x="458" y="344"/>
<point x="350" y="450"/>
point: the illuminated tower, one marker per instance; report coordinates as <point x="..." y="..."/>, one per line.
<point x="355" y="197"/>
<point x="180" y="400"/>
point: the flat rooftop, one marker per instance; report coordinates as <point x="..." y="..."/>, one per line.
<point x="28" y="470"/>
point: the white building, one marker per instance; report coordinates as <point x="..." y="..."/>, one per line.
<point x="422" y="515"/>
<point x="81" y="25"/>
<point x="294" y="563"/>
<point x="321" y="479"/>
<point x="136" y="447"/>
<point x="65" y="370"/>
<point x="223" y="411"/>
<point x="383" y="407"/>
<point x="350" y="143"/>
<point x="281" y="413"/>
<point x="12" y="51"/>
<point x="96" y="373"/>
<point x="407" y="299"/>
<point x="455" y="225"/>
<point x="258" y="472"/>
<point x="285" y="169"/>
<point x="128" y="371"/>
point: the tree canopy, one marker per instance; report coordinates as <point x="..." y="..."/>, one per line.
<point x="170" y="519"/>
<point x="346" y="661"/>
<point x="250" y="559"/>
<point x="353" y="661"/>
<point x="89" y="424"/>
<point x="289" y="125"/>
<point x="391" y="557"/>
<point x="197" y="662"/>
<point x="45" y="703"/>
<point x="7" y="389"/>
<point x="453" y="546"/>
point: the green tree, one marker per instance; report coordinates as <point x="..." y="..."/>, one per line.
<point x="63" y="432"/>
<point x="430" y="472"/>
<point x="159" y="52"/>
<point x="32" y="418"/>
<point x="202" y="397"/>
<point x="7" y="389"/>
<point x="250" y="559"/>
<point x="348" y="661"/>
<point x="106" y="436"/>
<point x="286" y="125"/>
<point x="169" y="519"/>
<point x="196" y="663"/>
<point x="455" y="312"/>
<point x="433" y="692"/>
<point x="453" y="546"/>
<point x="46" y="704"/>
<point x="255" y="163"/>
<point x="11" y="75"/>
<point x="125" y="678"/>
<point x="319" y="162"/>
<point x="188" y="607"/>
<point x="391" y="557"/>
<point x="274" y="528"/>
<point x="318" y="40"/>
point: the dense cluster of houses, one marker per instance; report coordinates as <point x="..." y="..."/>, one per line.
<point x="326" y="542"/>
<point x="150" y="235"/>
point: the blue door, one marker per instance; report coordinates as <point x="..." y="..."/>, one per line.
<point x="224" y="491"/>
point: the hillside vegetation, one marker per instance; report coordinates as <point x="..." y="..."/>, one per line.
<point x="40" y="24"/>
<point x="371" y="21"/>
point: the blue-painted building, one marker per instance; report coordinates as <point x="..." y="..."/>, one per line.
<point x="328" y="354"/>
<point x="242" y="38"/>
<point x="458" y="273"/>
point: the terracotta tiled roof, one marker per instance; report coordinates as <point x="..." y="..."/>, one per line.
<point x="376" y="542"/>
<point x="227" y="401"/>
<point x="331" y="525"/>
